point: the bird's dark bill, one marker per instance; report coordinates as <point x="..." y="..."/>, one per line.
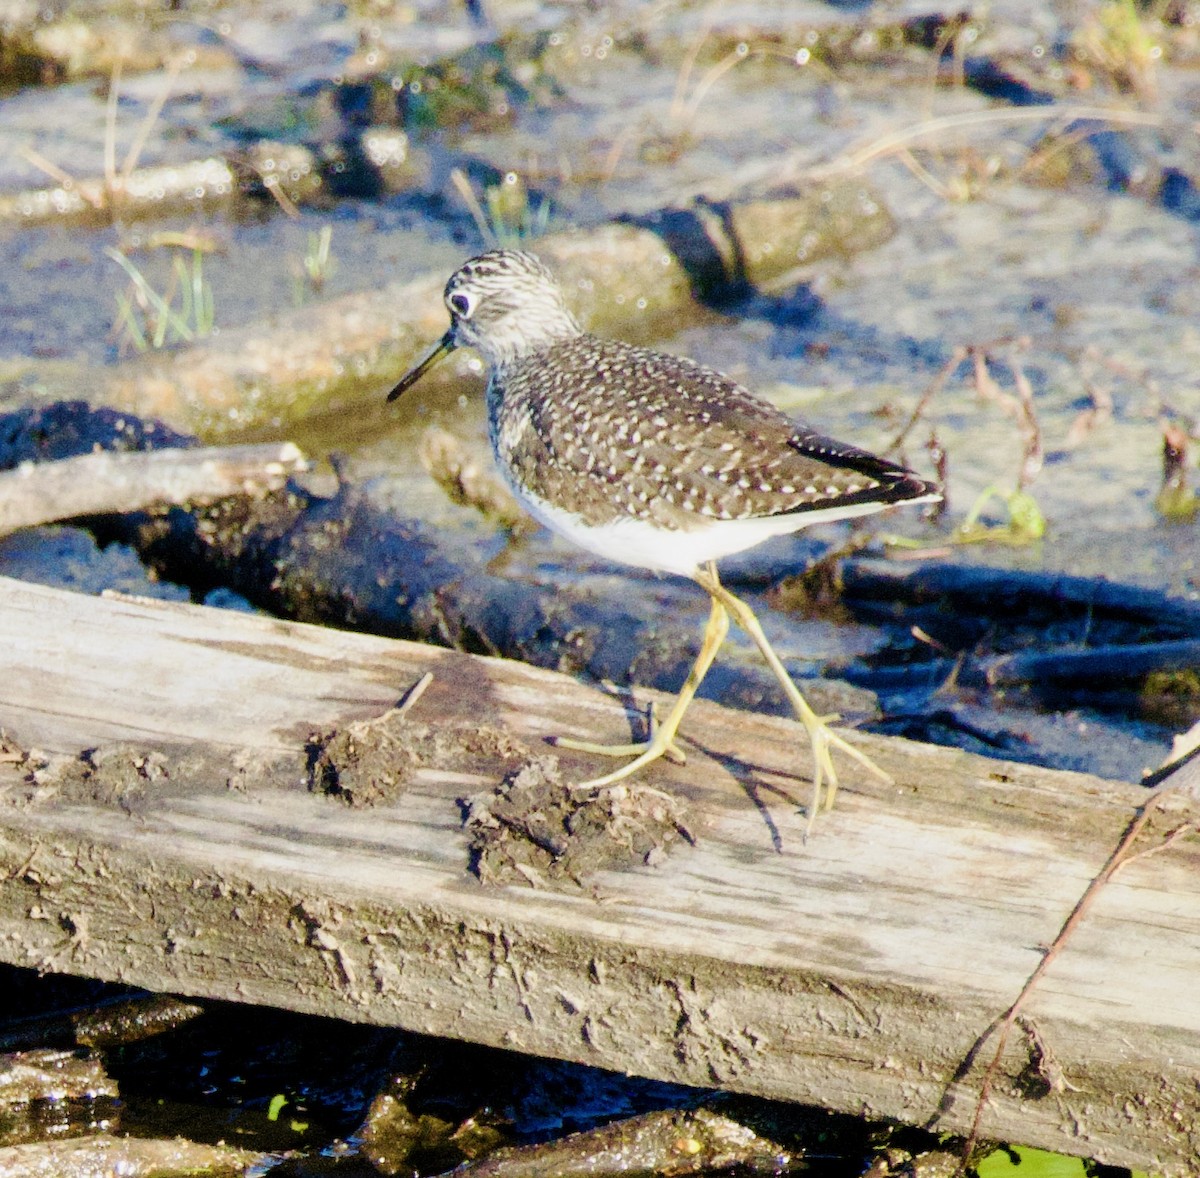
<point x="444" y="345"/>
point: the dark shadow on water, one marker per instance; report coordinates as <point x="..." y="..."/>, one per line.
<point x="806" y="327"/>
<point x="704" y="241"/>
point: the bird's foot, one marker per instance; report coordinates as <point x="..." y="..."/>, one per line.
<point x="823" y="741"/>
<point x="667" y="748"/>
<point x="660" y="744"/>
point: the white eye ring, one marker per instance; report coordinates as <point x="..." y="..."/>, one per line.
<point x="460" y="304"/>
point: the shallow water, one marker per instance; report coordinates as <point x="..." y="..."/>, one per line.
<point x="620" y="111"/>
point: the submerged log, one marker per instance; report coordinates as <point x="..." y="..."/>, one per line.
<point x="131" y="1157"/>
<point x="50" y="1074"/>
<point x="108" y="1024"/>
<point x="622" y="277"/>
<point x="681" y="1144"/>
<point x="205" y="856"/>
<point x="1020" y="593"/>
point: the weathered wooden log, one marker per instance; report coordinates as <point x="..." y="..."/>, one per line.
<point x="856" y="971"/>
<point x="110" y="481"/>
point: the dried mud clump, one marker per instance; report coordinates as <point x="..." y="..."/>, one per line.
<point x="538" y="830"/>
<point x="365" y="764"/>
<point x="130" y="776"/>
<point x="373" y="762"/>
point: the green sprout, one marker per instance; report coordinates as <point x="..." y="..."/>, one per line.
<point x="510" y="217"/>
<point x="319" y="263"/>
<point x="1025" y="524"/>
<point x="1125" y="43"/>
<point x="150" y="320"/>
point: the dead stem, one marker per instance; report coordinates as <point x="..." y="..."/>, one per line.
<point x="1120" y="858"/>
<point x="930" y="128"/>
<point x="414" y="693"/>
<point x="934" y="387"/>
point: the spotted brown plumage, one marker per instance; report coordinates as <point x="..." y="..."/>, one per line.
<point x="617" y="431"/>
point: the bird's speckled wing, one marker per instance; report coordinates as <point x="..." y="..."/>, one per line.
<point x="620" y="431"/>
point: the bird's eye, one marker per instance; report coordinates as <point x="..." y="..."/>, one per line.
<point x="460" y="304"/>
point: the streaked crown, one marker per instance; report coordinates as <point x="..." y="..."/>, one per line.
<point x="506" y="303"/>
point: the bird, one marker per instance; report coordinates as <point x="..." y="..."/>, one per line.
<point x="652" y="460"/>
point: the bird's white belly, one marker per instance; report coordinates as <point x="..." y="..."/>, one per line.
<point x="639" y="542"/>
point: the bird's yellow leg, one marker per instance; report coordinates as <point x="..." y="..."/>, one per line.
<point x="662" y="738"/>
<point x="822" y="737"/>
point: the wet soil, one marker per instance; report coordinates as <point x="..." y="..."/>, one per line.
<point x="538" y="829"/>
<point x="532" y="828"/>
<point x="370" y="763"/>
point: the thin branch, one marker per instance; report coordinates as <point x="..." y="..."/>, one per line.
<point x="899" y="139"/>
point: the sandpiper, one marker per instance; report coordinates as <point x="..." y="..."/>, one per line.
<point x="653" y="460"/>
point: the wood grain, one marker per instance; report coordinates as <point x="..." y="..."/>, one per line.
<point x="855" y="971"/>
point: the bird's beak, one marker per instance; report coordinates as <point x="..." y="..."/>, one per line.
<point x="444" y="345"/>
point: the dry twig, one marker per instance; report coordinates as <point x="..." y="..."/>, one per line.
<point x="1120" y="858"/>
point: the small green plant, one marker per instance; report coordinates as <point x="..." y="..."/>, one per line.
<point x="1123" y="42"/>
<point x="510" y="217"/>
<point x="319" y="262"/>
<point x="1025" y="523"/>
<point x="1176" y="502"/>
<point x="514" y="217"/>
<point x="1023" y="1162"/>
<point x="148" y="319"/>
